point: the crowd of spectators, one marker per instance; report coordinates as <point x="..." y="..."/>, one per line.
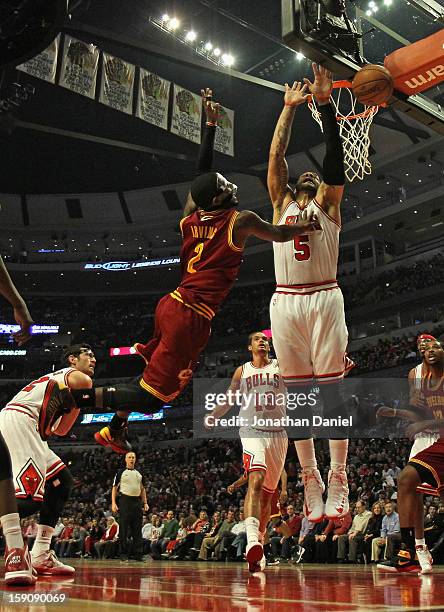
<point x="194" y="514"/>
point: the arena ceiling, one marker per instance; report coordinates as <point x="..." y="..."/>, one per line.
<point x="60" y="142"/>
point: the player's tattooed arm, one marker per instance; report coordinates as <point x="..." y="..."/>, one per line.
<point x="249" y="223"/>
<point x="277" y="178"/>
<point x="21" y="312"/>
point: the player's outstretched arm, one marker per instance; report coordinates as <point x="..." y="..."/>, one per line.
<point x="205" y="157"/>
<point x="277" y="177"/>
<point x="21" y="312"/>
<point x="249" y="223"/>
<point x="237" y="484"/>
<point x="331" y="189"/>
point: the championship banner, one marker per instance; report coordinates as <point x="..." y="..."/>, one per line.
<point x="187" y="114"/>
<point x="117" y="85"/>
<point x="224" y="140"/>
<point x="152" y="101"/>
<point x="79" y="67"/>
<point x="44" y="65"/>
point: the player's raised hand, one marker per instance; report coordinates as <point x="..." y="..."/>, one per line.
<point x="212" y="109"/>
<point x="308" y="222"/>
<point x="296" y="95"/>
<point x="322" y="85"/>
<point x="24" y="319"/>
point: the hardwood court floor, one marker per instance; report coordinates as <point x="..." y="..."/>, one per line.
<point x="220" y="587"/>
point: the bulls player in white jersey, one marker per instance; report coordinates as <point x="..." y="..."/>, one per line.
<point x="264" y="438"/>
<point x="307" y="310"/>
<point x="42" y="481"/>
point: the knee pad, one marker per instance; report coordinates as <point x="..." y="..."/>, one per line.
<point x="131" y="397"/>
<point x="5" y="461"/>
<point x="57" y="491"/>
<point x="28" y="506"/>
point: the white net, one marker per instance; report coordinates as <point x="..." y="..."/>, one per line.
<point x="354" y="127"/>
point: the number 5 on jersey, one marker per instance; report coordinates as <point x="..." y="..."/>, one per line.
<point x="193" y="260"/>
<point x="302" y="247"/>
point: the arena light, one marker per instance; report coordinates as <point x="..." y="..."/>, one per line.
<point x="208" y="46"/>
<point x="227" y="59"/>
<point x="190" y="36"/>
<point x="165" y="18"/>
<point x="299" y="56"/>
<point x="173" y="23"/>
<point x="121" y="351"/>
<point x="217" y="52"/>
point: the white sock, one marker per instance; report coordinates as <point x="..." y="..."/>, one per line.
<point x="338" y="454"/>
<point x="420" y="542"/>
<point x="43" y="540"/>
<point x="306" y="454"/>
<point x="12" y="530"/>
<point x="252" y="529"/>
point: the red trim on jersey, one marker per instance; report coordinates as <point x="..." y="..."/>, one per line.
<point x="31" y="416"/>
<point x="65" y="378"/>
<point x="306" y="292"/>
<point x="269" y="491"/>
<point x="50" y="473"/>
<point x="326" y="213"/>
<point x="257" y="469"/>
<point x="283" y="213"/>
<point x="299" y="376"/>
<point x="309" y="285"/>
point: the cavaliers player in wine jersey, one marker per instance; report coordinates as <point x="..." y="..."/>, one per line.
<point x="263" y="436"/>
<point x="214" y="234"/>
<point x="426" y="466"/>
<point x="41" y="479"/>
<point x="307" y="310"/>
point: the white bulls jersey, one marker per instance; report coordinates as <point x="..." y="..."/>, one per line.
<point x="30" y="398"/>
<point x="264" y="397"/>
<point x="310" y="260"/>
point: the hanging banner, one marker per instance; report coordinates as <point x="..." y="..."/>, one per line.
<point x="224" y="140"/>
<point x="152" y="101"/>
<point x="117" y="85"/>
<point x="79" y="67"/>
<point x="187" y="114"/>
<point x="44" y="65"/>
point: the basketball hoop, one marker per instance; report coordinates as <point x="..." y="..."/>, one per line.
<point x="354" y="128"/>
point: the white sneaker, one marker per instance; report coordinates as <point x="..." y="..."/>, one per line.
<point x="337" y="499"/>
<point x="47" y="564"/>
<point x="425" y="559"/>
<point x="313" y="490"/>
<point x="255" y="557"/>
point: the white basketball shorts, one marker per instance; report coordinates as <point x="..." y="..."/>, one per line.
<point x="265" y="451"/>
<point x="32" y="459"/>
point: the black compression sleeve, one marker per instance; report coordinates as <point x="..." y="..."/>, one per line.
<point x="205" y="158"/>
<point x="333" y="166"/>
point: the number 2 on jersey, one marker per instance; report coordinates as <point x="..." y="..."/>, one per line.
<point x="302" y="247"/>
<point x="198" y="250"/>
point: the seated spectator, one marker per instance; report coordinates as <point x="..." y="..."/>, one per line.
<point x="354" y="536"/>
<point x="390" y="535"/>
<point x="307" y="538"/>
<point x="62" y="543"/>
<point x="156" y="530"/>
<point x="106" y="547"/>
<point x="288" y="529"/>
<point x="327" y="541"/>
<point x="374" y="526"/>
<point x="95" y="533"/>
<point x="239" y="542"/>
<point x="210" y="540"/>
<point x="147" y="528"/>
<point x="169" y="531"/>
<point x="218" y="544"/>
<point x="75" y="543"/>
<point x="194" y="538"/>
<point x="180" y="537"/>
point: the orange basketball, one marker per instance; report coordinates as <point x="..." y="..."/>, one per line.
<point x="373" y="85"/>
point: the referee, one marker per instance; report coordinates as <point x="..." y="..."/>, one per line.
<point x="130" y="483"/>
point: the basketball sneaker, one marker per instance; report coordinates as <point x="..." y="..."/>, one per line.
<point x="255" y="557"/>
<point x="337" y="497"/>
<point x="18" y="568"/>
<point x="313" y="490"/>
<point x="402" y="564"/>
<point x="47" y="564"/>
<point x="116" y="440"/>
<point x="425" y="559"/>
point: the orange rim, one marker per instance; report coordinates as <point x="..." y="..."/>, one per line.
<point x="344" y="84"/>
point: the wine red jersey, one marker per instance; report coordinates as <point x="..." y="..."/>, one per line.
<point x="210" y="260"/>
<point x="430" y="398"/>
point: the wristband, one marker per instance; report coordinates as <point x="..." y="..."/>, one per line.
<point x="210" y="124"/>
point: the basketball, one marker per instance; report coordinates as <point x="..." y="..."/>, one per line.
<point x="373" y="85"/>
